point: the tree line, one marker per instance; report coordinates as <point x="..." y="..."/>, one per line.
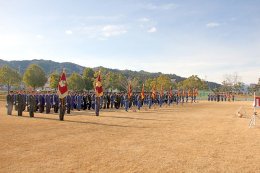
<point x="35" y="77"/>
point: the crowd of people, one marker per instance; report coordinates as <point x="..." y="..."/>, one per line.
<point x="47" y="102"/>
<point x="217" y="97"/>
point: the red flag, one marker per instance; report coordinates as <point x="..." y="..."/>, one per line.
<point x="99" y="89"/>
<point x="154" y="92"/>
<point x="170" y="92"/>
<point x="161" y="91"/>
<point x="129" y="90"/>
<point x="63" y="87"/>
<point x="142" y="93"/>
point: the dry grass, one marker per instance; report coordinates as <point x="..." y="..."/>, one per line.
<point x="201" y="137"/>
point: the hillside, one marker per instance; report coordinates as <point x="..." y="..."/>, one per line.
<point x="50" y="66"/>
<point x="47" y="65"/>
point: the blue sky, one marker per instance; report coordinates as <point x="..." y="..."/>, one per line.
<point x="183" y="37"/>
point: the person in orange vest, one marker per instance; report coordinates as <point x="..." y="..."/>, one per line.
<point x="178" y="97"/>
<point x="187" y="96"/>
<point x="189" y="93"/>
<point x="183" y="95"/>
<point x="229" y="96"/>
<point x="195" y="94"/>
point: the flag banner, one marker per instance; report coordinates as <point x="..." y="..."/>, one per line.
<point x="170" y="92"/>
<point x="154" y="92"/>
<point x="257" y="102"/>
<point x="99" y="89"/>
<point x="142" y="93"/>
<point x="62" y="86"/>
<point x="129" y="90"/>
<point x="161" y="91"/>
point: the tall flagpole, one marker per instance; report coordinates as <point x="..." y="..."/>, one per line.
<point x="99" y="93"/>
<point x="62" y="92"/>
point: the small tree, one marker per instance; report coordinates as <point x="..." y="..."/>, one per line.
<point x="149" y="83"/>
<point x="54" y="80"/>
<point x="120" y="82"/>
<point x="75" y="82"/>
<point x="34" y="76"/>
<point x="88" y="77"/>
<point x="232" y="83"/>
<point x="9" y="77"/>
<point x="192" y="82"/>
<point x="165" y="81"/>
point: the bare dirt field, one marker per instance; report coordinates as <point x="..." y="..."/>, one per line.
<point x="201" y="137"/>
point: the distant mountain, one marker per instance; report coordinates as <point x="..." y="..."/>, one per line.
<point x="50" y="66"/>
<point x="47" y="65"/>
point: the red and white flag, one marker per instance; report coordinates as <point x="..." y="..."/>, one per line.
<point x="130" y="90"/>
<point x="99" y="89"/>
<point x="62" y="86"/>
<point x="154" y="92"/>
<point x="161" y="91"/>
<point x="170" y="91"/>
<point x="142" y="93"/>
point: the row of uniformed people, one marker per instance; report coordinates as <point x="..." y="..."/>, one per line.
<point x="221" y="97"/>
<point x="36" y="101"/>
<point x="46" y="101"/>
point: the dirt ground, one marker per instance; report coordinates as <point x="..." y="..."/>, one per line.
<point x="201" y="137"/>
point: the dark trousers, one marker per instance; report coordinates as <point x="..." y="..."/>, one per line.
<point x="41" y="108"/>
<point x="97" y="104"/>
<point x="62" y="112"/>
<point x="9" y="109"/>
<point x="68" y="109"/>
<point x="48" y="109"/>
<point x="31" y="112"/>
<point x="20" y="111"/>
<point x="56" y="108"/>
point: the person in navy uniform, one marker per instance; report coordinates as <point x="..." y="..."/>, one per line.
<point x="27" y="100"/>
<point x="93" y="101"/>
<point x="233" y="97"/>
<point x="150" y="100"/>
<point x="68" y="102"/>
<point x="56" y="102"/>
<point x="84" y="99"/>
<point x="15" y="101"/>
<point x="117" y="101"/>
<point x="48" y="102"/>
<point x="168" y="98"/>
<point x="126" y="99"/>
<point x="122" y="101"/>
<point x="36" y="96"/>
<point x="89" y="101"/>
<point x="139" y="101"/>
<point x="41" y="103"/>
<point x="31" y="103"/>
<point x="10" y="103"/>
<point x="160" y="97"/>
<point x="112" y="100"/>
<point x="218" y="97"/>
<point x="79" y="100"/>
<point x="72" y="100"/>
<point x="20" y="103"/>
<point x="24" y="100"/>
<point x="108" y="100"/>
